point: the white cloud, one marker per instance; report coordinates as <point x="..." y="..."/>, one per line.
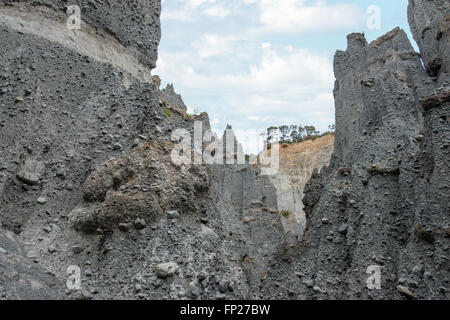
<point x="279" y="72"/>
<point x="286" y="85"/>
<point x="192" y="10"/>
<point x="297" y="16"/>
<point x="217" y="11"/>
<point x="212" y="45"/>
<point x="250" y="79"/>
<point x="179" y="15"/>
<point x="197" y="3"/>
<point x="259" y="119"/>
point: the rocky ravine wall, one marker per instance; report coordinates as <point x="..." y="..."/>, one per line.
<point x="384" y="200"/>
<point x="86" y="177"/>
<point x="66" y="107"/>
<point x="297" y="163"/>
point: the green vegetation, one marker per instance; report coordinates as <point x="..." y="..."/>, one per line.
<point x="294" y="133"/>
<point x="167" y="112"/>
<point x="285" y="213"/>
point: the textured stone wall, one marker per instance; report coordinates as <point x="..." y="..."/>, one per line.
<point x="67" y="107"/>
<point x="384" y="199"/>
<point x="86" y="177"/>
<point x="430" y="25"/>
<point x="135" y="24"/>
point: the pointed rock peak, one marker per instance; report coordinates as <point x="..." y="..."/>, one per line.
<point x="356" y="39"/>
<point x="173" y="98"/>
<point x="388" y="36"/>
<point x="169" y="88"/>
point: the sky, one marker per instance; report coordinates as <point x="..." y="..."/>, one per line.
<point x="260" y="63"/>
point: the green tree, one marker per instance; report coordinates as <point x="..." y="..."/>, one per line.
<point x="294" y="133"/>
<point x="311" y="131"/>
<point x="284" y="132"/>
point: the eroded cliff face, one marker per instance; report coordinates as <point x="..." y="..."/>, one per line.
<point x="430" y="26"/>
<point x="86" y="176"/>
<point x="87" y="179"/>
<point x="66" y="108"/>
<point x="65" y="111"/>
<point x="297" y="163"/>
<point x="384" y="199"/>
<point x="132" y="28"/>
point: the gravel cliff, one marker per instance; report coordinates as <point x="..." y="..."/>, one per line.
<point x="384" y="200"/>
<point x="86" y="176"/>
<point x="87" y="180"/>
